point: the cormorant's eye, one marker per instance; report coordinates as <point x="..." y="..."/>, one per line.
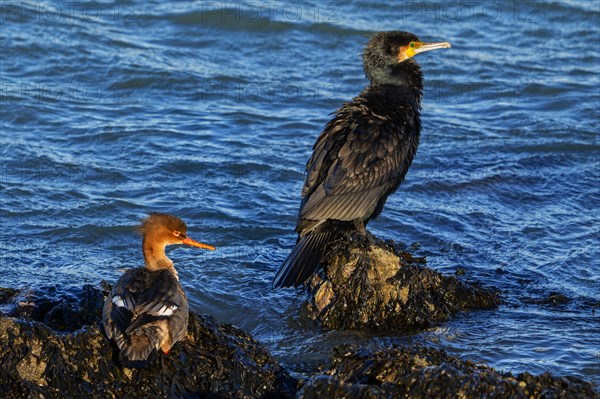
<point x="412" y="44"/>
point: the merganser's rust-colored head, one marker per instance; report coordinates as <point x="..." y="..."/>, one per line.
<point x="160" y="230"/>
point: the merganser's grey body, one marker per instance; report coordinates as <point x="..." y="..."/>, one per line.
<point x="147" y="309"/>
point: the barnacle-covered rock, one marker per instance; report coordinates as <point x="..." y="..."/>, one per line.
<point x="74" y="359"/>
<point x="367" y="284"/>
<point x="423" y="372"/>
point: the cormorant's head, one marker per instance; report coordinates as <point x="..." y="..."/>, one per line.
<point x="387" y="56"/>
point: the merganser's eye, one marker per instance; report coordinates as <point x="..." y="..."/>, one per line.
<point x="179" y="234"/>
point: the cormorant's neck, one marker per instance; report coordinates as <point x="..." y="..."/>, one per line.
<point x="154" y="255"/>
<point x="407" y="76"/>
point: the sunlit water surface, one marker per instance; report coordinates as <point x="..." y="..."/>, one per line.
<point x="208" y="110"/>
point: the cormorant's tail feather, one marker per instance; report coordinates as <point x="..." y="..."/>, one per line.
<point x="303" y="261"/>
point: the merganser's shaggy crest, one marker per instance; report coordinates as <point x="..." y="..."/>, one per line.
<point x="147" y="309"/>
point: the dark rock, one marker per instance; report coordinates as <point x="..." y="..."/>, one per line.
<point x="421" y="372"/>
<point x="6" y="295"/>
<point x="557" y="300"/>
<point x="59" y="310"/>
<point x="215" y="360"/>
<point x="553" y="299"/>
<point x="368" y="284"/>
<point x="6" y="298"/>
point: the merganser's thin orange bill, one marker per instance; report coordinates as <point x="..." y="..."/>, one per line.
<point x="193" y="243"/>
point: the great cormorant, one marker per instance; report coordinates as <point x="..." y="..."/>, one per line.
<point x="362" y="155"/>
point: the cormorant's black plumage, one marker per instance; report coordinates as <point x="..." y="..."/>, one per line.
<point x="362" y="155"/>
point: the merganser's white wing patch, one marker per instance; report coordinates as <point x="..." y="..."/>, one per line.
<point x="157" y="308"/>
<point x="166" y="310"/>
<point x="118" y="301"/>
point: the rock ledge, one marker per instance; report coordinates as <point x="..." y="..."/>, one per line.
<point x="422" y="372"/>
<point x="215" y="360"/>
<point x="367" y="284"/>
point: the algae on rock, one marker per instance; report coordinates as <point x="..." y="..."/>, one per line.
<point x="215" y="359"/>
<point x="366" y="284"/>
<point x="422" y="372"/>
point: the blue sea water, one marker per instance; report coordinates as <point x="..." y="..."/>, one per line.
<point x="208" y="110"/>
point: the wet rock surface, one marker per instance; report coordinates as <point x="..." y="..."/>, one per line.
<point x="6" y="294"/>
<point x="76" y="360"/>
<point x="215" y="360"/>
<point x="368" y="284"/>
<point x="57" y="309"/>
<point x="421" y="372"/>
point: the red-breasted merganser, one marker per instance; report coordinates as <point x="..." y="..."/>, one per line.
<point x="147" y="309"/>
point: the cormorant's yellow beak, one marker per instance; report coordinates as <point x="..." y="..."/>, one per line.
<point x="415" y="48"/>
